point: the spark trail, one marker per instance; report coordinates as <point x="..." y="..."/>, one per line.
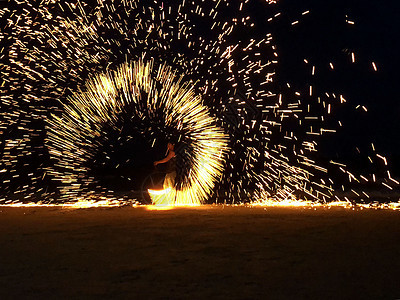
<point x="67" y="66"/>
<point x="75" y="137"/>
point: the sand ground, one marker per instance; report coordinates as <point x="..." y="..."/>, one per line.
<point x="212" y="252"/>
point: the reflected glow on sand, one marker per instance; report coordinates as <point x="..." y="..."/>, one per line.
<point x="162" y="200"/>
<point x="315" y="204"/>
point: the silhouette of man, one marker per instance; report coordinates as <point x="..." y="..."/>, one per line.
<point x="170" y="160"/>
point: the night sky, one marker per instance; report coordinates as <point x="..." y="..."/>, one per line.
<point x="324" y="36"/>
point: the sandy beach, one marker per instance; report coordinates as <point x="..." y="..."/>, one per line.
<point x="215" y="252"/>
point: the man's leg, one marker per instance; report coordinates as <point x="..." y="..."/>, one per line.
<point x="169" y="181"/>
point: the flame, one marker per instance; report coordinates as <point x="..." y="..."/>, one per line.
<point x="170" y="197"/>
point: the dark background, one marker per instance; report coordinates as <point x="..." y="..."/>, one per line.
<point x="323" y="36"/>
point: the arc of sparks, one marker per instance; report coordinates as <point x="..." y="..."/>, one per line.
<point x="73" y="137"/>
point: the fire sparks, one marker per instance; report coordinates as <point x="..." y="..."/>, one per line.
<point x="76" y="69"/>
<point x="75" y="136"/>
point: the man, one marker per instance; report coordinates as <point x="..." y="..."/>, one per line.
<point x="170" y="159"/>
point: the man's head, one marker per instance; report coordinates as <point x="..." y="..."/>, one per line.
<point x="171" y="146"/>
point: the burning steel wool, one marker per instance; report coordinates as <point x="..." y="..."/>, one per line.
<point x="78" y="77"/>
<point x="75" y="137"/>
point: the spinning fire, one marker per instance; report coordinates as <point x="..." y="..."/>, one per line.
<point x="83" y="78"/>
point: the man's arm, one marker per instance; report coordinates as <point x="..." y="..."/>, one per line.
<point x="170" y="155"/>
